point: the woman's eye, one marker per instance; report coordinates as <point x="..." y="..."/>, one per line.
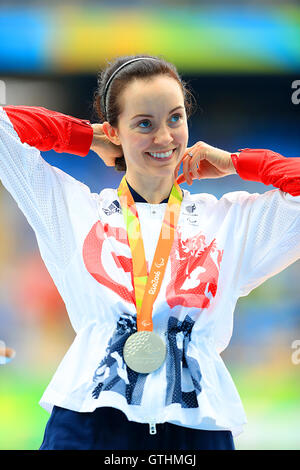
<point x="143" y="123"/>
<point x="147" y="121"/>
<point x="178" y="115"/>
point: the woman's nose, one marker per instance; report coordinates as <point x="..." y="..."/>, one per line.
<point x="163" y="136"/>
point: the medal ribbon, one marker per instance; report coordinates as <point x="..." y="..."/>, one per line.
<point x="147" y="287"/>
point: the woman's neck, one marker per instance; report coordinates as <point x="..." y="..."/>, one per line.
<point x="153" y="189"/>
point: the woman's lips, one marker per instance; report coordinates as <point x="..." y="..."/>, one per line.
<point x="161" y="159"/>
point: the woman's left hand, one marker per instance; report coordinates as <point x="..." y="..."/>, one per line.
<point x="206" y="162"/>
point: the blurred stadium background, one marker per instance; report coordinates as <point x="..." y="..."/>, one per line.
<point x="241" y="60"/>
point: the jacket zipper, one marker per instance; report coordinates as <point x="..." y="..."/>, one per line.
<point x="152" y="427"/>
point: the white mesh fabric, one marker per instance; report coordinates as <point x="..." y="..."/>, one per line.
<point x="268" y="236"/>
<point x="37" y="187"/>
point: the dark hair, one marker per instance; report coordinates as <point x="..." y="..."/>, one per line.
<point x="143" y="69"/>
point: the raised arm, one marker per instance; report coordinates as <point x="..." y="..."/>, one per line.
<point x="46" y="130"/>
<point x="268" y="167"/>
<point x="41" y="190"/>
<point x="203" y="161"/>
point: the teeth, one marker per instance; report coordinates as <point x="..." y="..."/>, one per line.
<point x="161" y="155"/>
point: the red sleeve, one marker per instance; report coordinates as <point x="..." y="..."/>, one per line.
<point x="47" y="130"/>
<point x="268" y="167"/>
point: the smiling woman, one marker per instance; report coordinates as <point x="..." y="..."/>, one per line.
<point x="153" y="152"/>
<point x="150" y="150"/>
<point x="109" y="99"/>
<point x="150" y="292"/>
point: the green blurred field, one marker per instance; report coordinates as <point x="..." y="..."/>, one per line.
<point x="22" y="419"/>
<point x="271" y="402"/>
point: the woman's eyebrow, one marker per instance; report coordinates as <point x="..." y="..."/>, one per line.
<point x="150" y="115"/>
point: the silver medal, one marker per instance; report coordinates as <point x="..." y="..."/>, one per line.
<point x="144" y="352"/>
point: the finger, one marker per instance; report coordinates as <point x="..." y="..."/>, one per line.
<point x="186" y="169"/>
<point x="109" y="161"/>
<point x="193" y="168"/>
<point x="180" y="179"/>
<point x="177" y="170"/>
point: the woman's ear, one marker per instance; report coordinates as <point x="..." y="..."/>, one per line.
<point x="111" y="133"/>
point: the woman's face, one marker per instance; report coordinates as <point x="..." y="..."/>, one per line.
<point x="161" y="125"/>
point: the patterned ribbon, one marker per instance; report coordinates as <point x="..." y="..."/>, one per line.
<point x="147" y="287"/>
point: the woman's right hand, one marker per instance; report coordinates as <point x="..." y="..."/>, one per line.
<point x="103" y="147"/>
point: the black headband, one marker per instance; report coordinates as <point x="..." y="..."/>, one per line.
<point x="115" y="73"/>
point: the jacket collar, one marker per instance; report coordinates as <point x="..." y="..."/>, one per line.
<point x="138" y="198"/>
